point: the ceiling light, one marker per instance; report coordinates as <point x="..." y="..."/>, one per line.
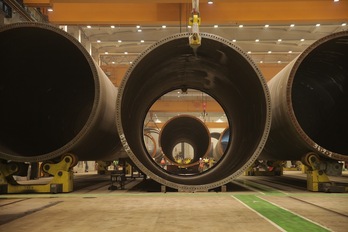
<point x="292" y="25"/>
<point x="261" y="61"/>
<point x="336" y="0"/>
<point x="269" y="52"/>
<point x="279" y="62"/>
<point x="219" y="120"/>
<point x="188" y="26"/>
<point x="157" y="120"/>
<point x="257" y="40"/>
<point x="139" y="30"/>
<point x="138" y="26"/>
<point x="216" y="26"/>
<point x="317" y="25"/>
<point x="113" y="62"/>
<point x="302" y="40"/>
<point x="120" y="41"/>
<point x="249" y="52"/>
<point x="279" y="40"/>
<point x="266" y="25"/>
<point x="164" y="26"/>
<point x="240" y="26"/>
<point x="49" y="9"/>
<point x="142" y="41"/>
<point x="234" y="40"/>
<point x="112" y="26"/>
<point x="106" y="53"/>
<point x="89" y="26"/>
<point x="290" y="51"/>
<point x="344" y="24"/>
<point x="131" y="62"/>
<point x="125" y="53"/>
<point x="210" y="2"/>
<point x="98" y="41"/>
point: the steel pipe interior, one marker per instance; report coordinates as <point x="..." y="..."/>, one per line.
<point x="219" y="69"/>
<point x="185" y="129"/>
<point x="53" y="97"/>
<point x="310" y="103"/>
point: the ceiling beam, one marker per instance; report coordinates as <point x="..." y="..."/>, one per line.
<point x="172" y="12"/>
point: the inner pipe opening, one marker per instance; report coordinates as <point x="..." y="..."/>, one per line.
<point x="46" y="91"/>
<point x="219" y="69"/>
<point x="184" y="138"/>
<point x="320" y="95"/>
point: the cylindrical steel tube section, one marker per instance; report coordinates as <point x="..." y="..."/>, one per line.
<point x="54" y="99"/>
<point x="185" y="129"/>
<point x="310" y="103"/>
<point x="217" y="68"/>
<point x="222" y="143"/>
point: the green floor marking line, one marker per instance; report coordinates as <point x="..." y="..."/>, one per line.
<point x="281" y="217"/>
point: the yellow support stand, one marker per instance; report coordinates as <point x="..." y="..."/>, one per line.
<point x="62" y="181"/>
<point x="317" y="179"/>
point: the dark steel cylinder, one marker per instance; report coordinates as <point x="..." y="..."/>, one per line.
<point x="310" y="103"/>
<point x="222" y="143"/>
<point x="185" y="129"/>
<point x="218" y="68"/>
<point x="54" y="99"/>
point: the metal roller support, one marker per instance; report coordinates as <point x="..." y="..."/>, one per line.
<point x="54" y="99"/>
<point x="185" y="129"/>
<point x="310" y="103"/>
<point x="218" y="68"/>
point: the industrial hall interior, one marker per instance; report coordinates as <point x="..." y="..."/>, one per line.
<point x="174" y="115"/>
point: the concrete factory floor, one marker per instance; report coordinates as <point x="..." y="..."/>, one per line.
<point x="250" y="205"/>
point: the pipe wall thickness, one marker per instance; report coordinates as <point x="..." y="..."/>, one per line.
<point x="54" y="99"/>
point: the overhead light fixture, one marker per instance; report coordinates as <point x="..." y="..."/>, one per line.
<point x="139" y="30"/>
<point x="261" y="61"/>
<point x="219" y="120"/>
<point x="113" y="62"/>
<point x="49" y="9"/>
<point x="266" y="26"/>
<point x="279" y="40"/>
<point x="164" y="26"/>
<point x="249" y="52"/>
<point x="240" y="26"/>
<point x="98" y="41"/>
<point x="290" y="52"/>
<point x="317" y="25"/>
<point x="120" y="41"/>
<point x="344" y="24"/>
<point x="138" y="26"/>
<point x="279" y="62"/>
<point x="112" y="27"/>
<point x="142" y="41"/>
<point x="302" y="40"/>
<point x="106" y="53"/>
<point x="336" y="0"/>
<point x="234" y="40"/>
<point x="292" y="25"/>
<point x="89" y="26"/>
<point x="269" y="52"/>
<point x="257" y="40"/>
<point x="189" y="26"/>
<point x="216" y="26"/>
<point x="125" y="53"/>
<point x="210" y="2"/>
<point x="157" y="120"/>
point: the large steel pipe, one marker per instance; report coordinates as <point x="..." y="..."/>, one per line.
<point x="185" y="129"/>
<point x="310" y="103"/>
<point x="218" y="68"/>
<point x="53" y="97"/>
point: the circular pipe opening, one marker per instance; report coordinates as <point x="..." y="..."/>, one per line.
<point x="219" y="69"/>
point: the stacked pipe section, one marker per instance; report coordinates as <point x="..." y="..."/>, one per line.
<point x="310" y="103"/>
<point x="54" y="99"/>
<point x="217" y="68"/>
<point x="185" y="129"/>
